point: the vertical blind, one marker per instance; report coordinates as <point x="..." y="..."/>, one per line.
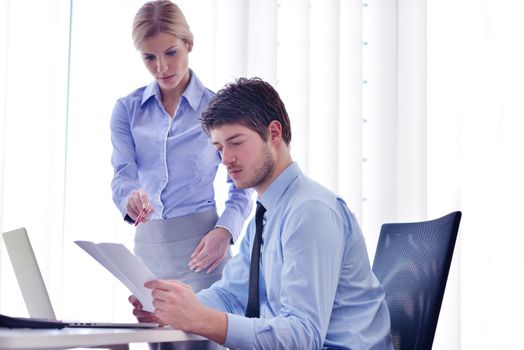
<point x="475" y="122"/>
<point x="67" y="63"/>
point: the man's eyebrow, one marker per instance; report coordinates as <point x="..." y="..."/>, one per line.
<point x="234" y="136"/>
<point x="215" y="143"/>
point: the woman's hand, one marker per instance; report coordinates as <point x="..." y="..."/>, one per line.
<point x="142" y="315"/>
<point x="211" y="250"/>
<point x="137" y="202"/>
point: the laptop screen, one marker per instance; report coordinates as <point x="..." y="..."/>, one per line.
<point x="28" y="274"/>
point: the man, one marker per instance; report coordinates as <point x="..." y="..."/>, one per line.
<point x="315" y="287"/>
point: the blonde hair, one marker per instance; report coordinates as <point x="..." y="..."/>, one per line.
<point x="160" y="16"/>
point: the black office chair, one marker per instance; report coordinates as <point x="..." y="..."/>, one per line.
<point x="412" y="262"/>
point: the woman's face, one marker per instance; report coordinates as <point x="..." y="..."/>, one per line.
<point x="166" y="58"/>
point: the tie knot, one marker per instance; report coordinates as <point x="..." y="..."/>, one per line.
<point x="260" y="210"/>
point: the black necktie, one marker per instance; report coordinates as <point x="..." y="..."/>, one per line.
<point x="253" y="304"/>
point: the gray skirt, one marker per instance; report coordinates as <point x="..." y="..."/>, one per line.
<point x="165" y="246"/>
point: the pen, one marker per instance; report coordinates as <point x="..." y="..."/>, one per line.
<point x="142" y="212"/>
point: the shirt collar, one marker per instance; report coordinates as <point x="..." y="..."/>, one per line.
<point x="279" y="186"/>
<point x="192" y="94"/>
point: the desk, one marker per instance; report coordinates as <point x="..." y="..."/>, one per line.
<point x="86" y="337"/>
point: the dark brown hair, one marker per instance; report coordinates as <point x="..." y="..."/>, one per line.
<point x="249" y="102"/>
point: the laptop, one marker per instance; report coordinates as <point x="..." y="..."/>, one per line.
<point x="33" y="288"/>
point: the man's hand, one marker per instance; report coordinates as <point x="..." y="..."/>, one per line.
<point x="211" y="250"/>
<point x="142" y="315"/>
<point x="177" y="305"/>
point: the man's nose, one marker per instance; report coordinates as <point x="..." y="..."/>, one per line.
<point x="228" y="157"/>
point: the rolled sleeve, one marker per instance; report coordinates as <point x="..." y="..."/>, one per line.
<point x="238" y="206"/>
<point x="232" y="221"/>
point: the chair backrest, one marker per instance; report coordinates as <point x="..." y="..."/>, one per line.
<point x="412" y="262"/>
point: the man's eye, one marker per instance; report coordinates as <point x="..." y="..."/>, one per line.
<point x="237" y="143"/>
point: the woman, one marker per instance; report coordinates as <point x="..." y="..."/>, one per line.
<point x="164" y="163"/>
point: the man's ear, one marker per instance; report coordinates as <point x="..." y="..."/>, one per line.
<point x="275" y="132"/>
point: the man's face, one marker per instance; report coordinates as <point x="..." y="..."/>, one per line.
<point x="250" y="161"/>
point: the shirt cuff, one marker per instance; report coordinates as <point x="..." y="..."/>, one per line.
<point x="240" y="332"/>
<point x="129" y="219"/>
<point x="232" y="221"/>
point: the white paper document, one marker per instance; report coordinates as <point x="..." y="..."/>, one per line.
<point x="125" y="266"/>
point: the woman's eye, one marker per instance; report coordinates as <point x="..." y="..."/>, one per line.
<point x="171" y="53"/>
<point x="149" y="58"/>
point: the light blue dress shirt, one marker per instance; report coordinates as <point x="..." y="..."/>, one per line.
<point x="317" y="289"/>
<point x="173" y="159"/>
